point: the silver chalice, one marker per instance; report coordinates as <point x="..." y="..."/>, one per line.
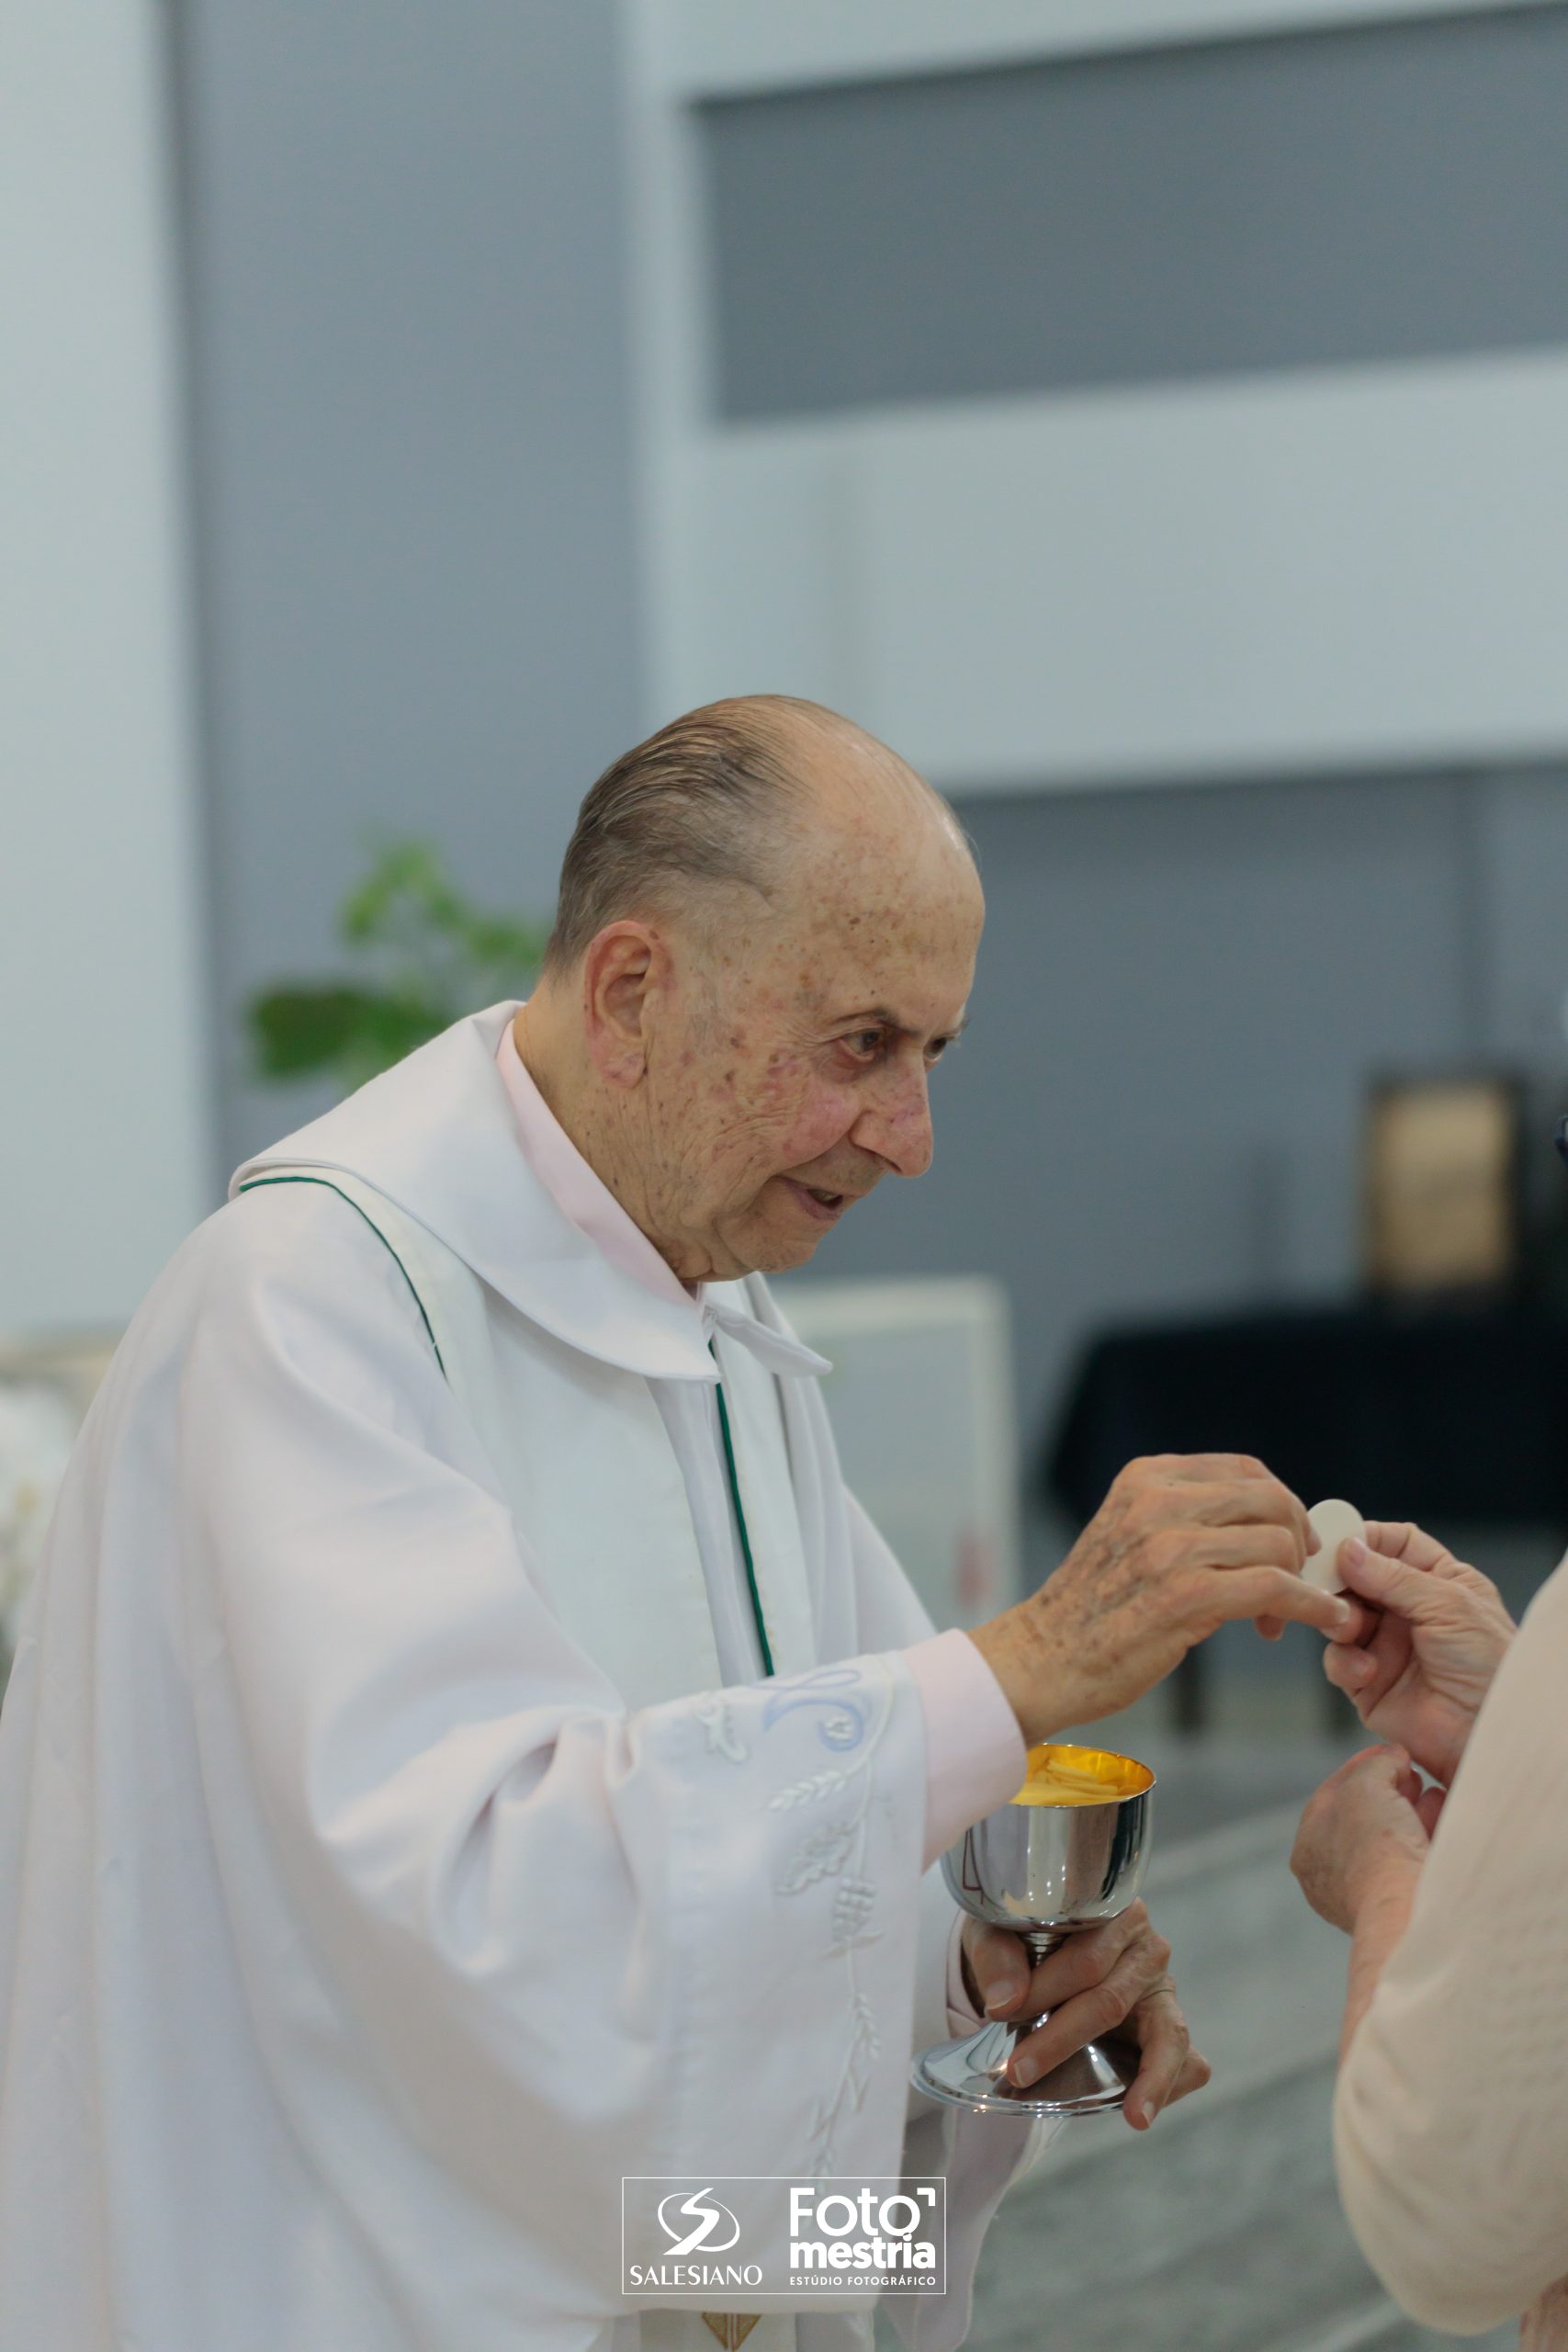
<point x="1066" y="1852"/>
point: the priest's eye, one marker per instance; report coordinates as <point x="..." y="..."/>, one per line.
<point x="864" y="1044"/>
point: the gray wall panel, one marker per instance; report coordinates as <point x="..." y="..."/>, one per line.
<point x="412" y="413"/>
<point x="1523" y="840"/>
<point x="1379" y="192"/>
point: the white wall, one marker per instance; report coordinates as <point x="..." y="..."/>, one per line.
<point x="1304" y="572"/>
<point x="712" y="47"/>
<point x="103" y="1111"/>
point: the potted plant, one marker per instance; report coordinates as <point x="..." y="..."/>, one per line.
<point x="425" y="956"/>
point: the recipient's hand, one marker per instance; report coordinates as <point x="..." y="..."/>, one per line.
<point x="1430" y="1636"/>
<point x="1182" y="1543"/>
<point x="1108" y="1980"/>
<point x="1369" y="1823"/>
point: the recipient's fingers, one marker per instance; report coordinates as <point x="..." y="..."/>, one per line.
<point x="1355" y="1672"/>
<point x="1428" y="1805"/>
<point x="1400" y="1539"/>
<point x="1409" y="1591"/>
<point x="1361" y="1623"/>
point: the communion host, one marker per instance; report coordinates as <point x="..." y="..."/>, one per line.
<point x="465" y="1745"/>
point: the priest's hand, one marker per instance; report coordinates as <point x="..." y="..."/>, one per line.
<point x="1111" y="1979"/>
<point x="1182" y="1544"/>
<point x="1430" y="1634"/>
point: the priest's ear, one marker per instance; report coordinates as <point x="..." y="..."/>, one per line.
<point x="626" y="978"/>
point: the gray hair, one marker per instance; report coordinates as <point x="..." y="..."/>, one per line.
<point x="710" y="802"/>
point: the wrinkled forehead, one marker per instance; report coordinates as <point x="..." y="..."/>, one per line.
<point x="898" y="929"/>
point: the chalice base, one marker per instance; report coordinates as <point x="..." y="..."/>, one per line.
<point x="973" y="2074"/>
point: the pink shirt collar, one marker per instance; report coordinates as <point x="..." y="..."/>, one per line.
<point x="577" y="1191"/>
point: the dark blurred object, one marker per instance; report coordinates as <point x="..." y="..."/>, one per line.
<point x="1545" y="1194"/>
<point x="1442" y="1208"/>
<point x="432" y="958"/>
<point x="1434" y="1414"/>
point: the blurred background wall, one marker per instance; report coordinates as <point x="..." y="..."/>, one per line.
<point x="405" y="234"/>
<point x="1150" y="417"/>
<point x="106" y="1120"/>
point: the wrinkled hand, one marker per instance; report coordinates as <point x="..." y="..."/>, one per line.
<point x="1182" y="1544"/>
<point x="1429" y="1636"/>
<point x="1368" y="1819"/>
<point x="1107" y="1980"/>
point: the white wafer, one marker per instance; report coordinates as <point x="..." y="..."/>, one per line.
<point x="1337" y="1523"/>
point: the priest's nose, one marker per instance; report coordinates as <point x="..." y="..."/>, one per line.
<point x="896" y="1124"/>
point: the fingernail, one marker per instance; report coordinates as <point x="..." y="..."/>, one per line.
<point x="1003" y="1995"/>
<point x="1342" y="1612"/>
<point x="1023" y="2071"/>
<point x="1353" y="1549"/>
<point x="1149" y="2114"/>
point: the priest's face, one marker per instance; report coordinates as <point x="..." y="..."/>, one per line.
<point x="791" y="1070"/>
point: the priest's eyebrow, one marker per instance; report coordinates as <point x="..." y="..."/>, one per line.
<point x="881" y="1018"/>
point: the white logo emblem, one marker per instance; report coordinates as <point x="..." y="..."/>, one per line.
<point x="704" y="2208"/>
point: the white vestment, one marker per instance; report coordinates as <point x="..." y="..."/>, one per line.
<point x="386" y="1869"/>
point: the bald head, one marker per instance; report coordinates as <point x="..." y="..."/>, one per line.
<point x="722" y="812"/>
<point x="765" y="941"/>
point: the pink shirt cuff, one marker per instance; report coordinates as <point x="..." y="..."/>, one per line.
<point x="975" y="1759"/>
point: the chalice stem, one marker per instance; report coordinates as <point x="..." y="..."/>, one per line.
<point x="1039" y="1943"/>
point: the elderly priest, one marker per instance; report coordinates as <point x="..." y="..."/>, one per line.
<point x="465" y="1745"/>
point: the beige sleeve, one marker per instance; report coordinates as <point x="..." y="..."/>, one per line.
<point x="1451" y="2117"/>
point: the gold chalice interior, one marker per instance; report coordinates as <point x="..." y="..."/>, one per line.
<point x="1059" y="1774"/>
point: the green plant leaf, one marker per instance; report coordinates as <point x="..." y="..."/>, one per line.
<point x="427" y="956"/>
<point x="297" y="1031"/>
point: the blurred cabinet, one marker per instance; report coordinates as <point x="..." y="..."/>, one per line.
<point x="921" y="1401"/>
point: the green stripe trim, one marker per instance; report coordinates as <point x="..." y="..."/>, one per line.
<point x="258" y="1183"/>
<point x="741" y="1522"/>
